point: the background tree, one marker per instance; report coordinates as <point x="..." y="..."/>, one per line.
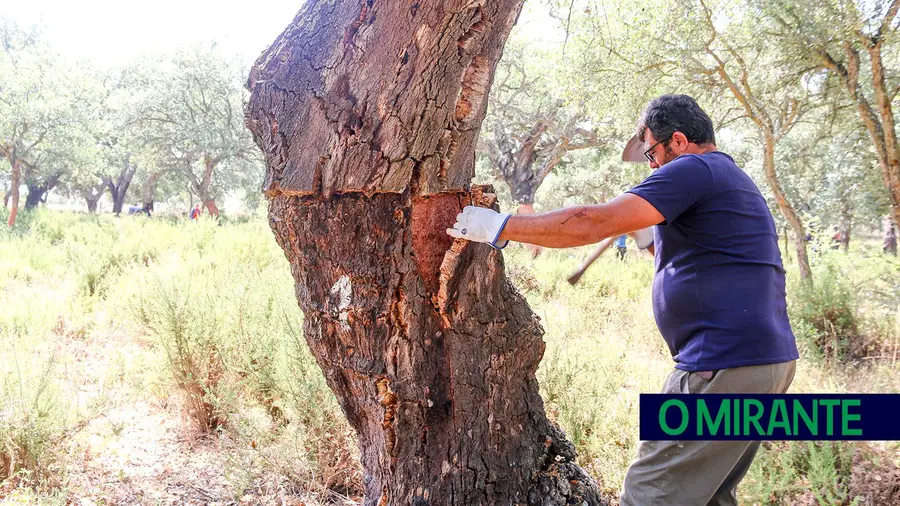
<point x="529" y="128"/>
<point x="770" y="90"/>
<point x="830" y="170"/>
<point x="195" y="109"/>
<point x="858" y="44"/>
<point x="123" y="133"/>
<point x="368" y="113"/>
<point x="36" y="103"/>
<point x="716" y="57"/>
<point x="149" y="187"/>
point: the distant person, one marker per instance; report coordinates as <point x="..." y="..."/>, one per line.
<point x="890" y="237"/>
<point x="621" y="246"/>
<point x="196" y="212"/>
<point x="132" y="210"/>
<point x="837" y="239"/>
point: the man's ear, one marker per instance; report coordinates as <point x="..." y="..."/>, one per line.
<point x="679" y="142"/>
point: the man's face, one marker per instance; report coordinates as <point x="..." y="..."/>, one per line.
<point x="660" y="151"/>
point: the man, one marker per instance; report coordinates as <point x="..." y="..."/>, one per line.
<point x="718" y="291"/>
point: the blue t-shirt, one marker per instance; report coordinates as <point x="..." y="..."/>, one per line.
<point x="718" y="292"/>
<point x="620" y="241"/>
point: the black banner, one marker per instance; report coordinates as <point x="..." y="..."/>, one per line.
<point x="679" y="417"/>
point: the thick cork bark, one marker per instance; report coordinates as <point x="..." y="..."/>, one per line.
<point x="367" y="113"/>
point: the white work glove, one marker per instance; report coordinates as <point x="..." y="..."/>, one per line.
<point x="643" y="237"/>
<point x="479" y="224"/>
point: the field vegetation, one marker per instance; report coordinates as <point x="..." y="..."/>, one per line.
<point x="144" y="360"/>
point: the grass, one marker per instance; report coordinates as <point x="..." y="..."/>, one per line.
<point x="100" y="312"/>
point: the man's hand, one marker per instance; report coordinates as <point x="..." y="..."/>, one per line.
<point x="479" y="224"/>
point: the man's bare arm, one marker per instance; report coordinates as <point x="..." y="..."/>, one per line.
<point x="580" y="225"/>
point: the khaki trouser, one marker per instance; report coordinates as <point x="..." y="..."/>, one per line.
<point x="698" y="473"/>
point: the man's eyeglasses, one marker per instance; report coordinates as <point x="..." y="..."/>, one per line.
<point x="649" y="155"/>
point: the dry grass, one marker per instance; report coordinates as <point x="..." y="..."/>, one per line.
<point x="154" y="362"/>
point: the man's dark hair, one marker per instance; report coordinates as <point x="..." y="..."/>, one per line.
<point x="670" y="113"/>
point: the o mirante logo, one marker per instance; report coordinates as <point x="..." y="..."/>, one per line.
<point x="769" y="417"/>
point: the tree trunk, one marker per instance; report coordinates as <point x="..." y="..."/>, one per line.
<point x="15" y="179"/>
<point x="878" y="119"/>
<point x="118" y="203"/>
<point x="148" y="192"/>
<point x="92" y="196"/>
<point x="846" y="225"/>
<point x="38" y="193"/>
<point x="35" y="196"/>
<point x="889" y="151"/>
<point x="787" y="249"/>
<point x="92" y="203"/>
<point x="367" y="113"/>
<point x="118" y="189"/>
<point x="515" y="162"/>
<point x="203" y="185"/>
<point x="889" y="237"/>
<point x="211" y="207"/>
<point x="790" y="215"/>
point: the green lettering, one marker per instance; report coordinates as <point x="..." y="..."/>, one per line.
<point x="704" y="418"/>
<point x="737" y="418"/>
<point x="829" y="415"/>
<point x="753" y="417"/>
<point x="662" y="417"/>
<point x="811" y="423"/>
<point x="846" y="418"/>
<point x="779" y="418"/>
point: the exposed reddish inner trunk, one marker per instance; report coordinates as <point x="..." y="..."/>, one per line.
<point x="431" y="216"/>
<point x="211" y="207"/>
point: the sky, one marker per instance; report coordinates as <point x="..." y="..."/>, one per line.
<point x="112" y="32"/>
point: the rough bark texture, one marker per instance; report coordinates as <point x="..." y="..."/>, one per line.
<point x="367" y="113"/>
<point x="787" y="210"/>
